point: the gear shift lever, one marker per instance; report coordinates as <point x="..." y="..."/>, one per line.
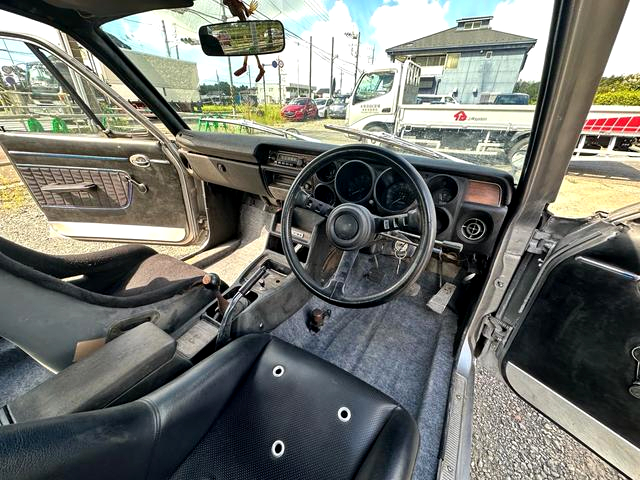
<point x="224" y="332"/>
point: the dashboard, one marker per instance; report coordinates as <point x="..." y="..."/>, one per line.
<point x="468" y="210"/>
<point x="471" y="201"/>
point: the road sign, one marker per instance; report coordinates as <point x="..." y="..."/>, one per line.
<point x="274" y="64"/>
<point x="280" y="64"/>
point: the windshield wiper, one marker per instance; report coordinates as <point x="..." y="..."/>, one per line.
<point x="389" y="139"/>
<point x="263" y="128"/>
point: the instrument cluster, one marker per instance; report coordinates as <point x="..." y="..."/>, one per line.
<point x="356" y="181"/>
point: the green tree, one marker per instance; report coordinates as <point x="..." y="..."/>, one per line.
<point x="530" y="88"/>
<point x="220" y="87"/>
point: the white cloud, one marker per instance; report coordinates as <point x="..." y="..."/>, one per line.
<point x="518" y="16"/>
<point x="406" y="20"/>
<point x="296" y="54"/>
<point x="521" y="17"/>
<point x="15" y="23"/>
<point x="624" y="57"/>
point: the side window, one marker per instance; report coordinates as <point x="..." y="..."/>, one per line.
<point x="604" y="174"/>
<point x="40" y="93"/>
<point x="373" y="85"/>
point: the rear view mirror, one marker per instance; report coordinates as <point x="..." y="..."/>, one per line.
<point x="242" y="38"/>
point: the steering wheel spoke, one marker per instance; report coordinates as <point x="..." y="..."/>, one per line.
<point x="308" y="202"/>
<point x="410" y="219"/>
<point x="335" y="286"/>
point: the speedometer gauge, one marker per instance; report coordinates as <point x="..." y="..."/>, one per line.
<point x="393" y="193"/>
<point x="354" y="182"/>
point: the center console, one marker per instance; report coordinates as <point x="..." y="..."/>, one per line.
<point x="267" y="301"/>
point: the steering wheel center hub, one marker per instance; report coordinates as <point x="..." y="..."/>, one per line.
<point x="350" y="226"/>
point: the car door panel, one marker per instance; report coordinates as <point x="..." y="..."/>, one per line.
<point x="571" y="353"/>
<point x="102" y="188"/>
<point x="96" y="167"/>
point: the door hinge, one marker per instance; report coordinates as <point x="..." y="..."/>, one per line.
<point x="540" y="242"/>
<point x="494" y="331"/>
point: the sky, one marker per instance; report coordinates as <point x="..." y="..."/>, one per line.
<point x="381" y="24"/>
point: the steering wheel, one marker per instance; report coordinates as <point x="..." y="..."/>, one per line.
<point x="351" y="226"/>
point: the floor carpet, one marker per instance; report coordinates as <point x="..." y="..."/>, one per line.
<point x="401" y="348"/>
<point x="19" y="373"/>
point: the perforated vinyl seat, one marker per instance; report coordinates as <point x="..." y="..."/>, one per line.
<point x="258" y="409"/>
<point x="48" y="316"/>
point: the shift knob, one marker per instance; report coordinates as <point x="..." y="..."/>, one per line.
<point x="211" y="281"/>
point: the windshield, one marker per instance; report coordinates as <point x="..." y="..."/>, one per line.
<point x="434" y="82"/>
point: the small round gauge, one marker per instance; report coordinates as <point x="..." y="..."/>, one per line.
<point x="393" y="193"/>
<point x="325" y="194"/>
<point x="443" y="189"/>
<point x="354" y="182"/>
<point x="327" y="173"/>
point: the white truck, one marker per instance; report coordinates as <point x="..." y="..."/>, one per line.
<point x="385" y="100"/>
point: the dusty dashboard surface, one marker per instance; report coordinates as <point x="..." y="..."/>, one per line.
<point x="470" y="208"/>
<point x="471" y="201"/>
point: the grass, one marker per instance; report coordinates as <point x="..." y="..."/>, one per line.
<point x="13" y="197"/>
<point x="269" y="116"/>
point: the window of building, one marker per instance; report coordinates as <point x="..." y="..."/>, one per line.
<point x="431" y="61"/>
<point x="452" y="61"/>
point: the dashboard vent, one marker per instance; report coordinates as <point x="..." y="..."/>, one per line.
<point x="473" y="229"/>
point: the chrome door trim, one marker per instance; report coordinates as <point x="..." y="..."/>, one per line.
<point x="169" y="148"/>
<point x="601" y="439"/>
<point x="118" y="232"/>
<point x="455" y="463"/>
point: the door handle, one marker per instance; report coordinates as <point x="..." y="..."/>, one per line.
<point x="142" y="188"/>
<point x="69" y="187"/>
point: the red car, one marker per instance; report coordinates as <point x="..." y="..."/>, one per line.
<point x="300" y="108"/>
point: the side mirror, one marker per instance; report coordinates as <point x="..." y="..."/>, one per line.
<point x="242" y="38"/>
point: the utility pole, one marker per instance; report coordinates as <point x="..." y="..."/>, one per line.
<point x="355" y="36"/>
<point x="175" y="37"/>
<point x="264" y="92"/>
<point x="233" y="100"/>
<point x="310" y="59"/>
<point x="373" y="54"/>
<point x="355" y="79"/>
<point x="331" y="74"/>
<point x="166" y="39"/>
<point x="341" y="73"/>
<point x="279" y="84"/>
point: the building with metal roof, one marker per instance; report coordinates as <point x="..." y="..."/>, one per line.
<point x="467" y="60"/>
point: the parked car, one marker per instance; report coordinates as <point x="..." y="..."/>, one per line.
<point x="338" y="109"/>
<point x="323" y="105"/>
<point x="512" y="99"/>
<point x="504" y="99"/>
<point x="436" y="99"/>
<point x="301" y="108"/>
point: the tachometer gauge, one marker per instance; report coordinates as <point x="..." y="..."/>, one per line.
<point x="393" y="193"/>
